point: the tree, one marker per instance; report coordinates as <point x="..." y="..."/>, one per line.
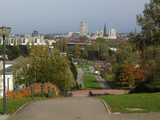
<point x="77" y="51"/>
<point x="132" y="74"/>
<point x="62" y="45"/>
<point x="150" y="23"/>
<point x="101" y="47"/>
<point x="43" y="66"/>
<point x="148" y="40"/>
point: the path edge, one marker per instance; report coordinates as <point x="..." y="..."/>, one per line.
<point x="18" y="110"/>
<point x="107" y="107"/>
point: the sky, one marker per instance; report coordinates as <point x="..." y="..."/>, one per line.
<point x="55" y="16"/>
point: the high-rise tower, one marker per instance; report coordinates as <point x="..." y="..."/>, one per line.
<point x="83" y="28"/>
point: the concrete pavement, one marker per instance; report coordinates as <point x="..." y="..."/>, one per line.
<point x="83" y="93"/>
<point x="75" y="108"/>
<point x="3" y="117"/>
<point x="80" y="77"/>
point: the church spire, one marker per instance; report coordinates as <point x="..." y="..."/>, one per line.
<point x="105" y="31"/>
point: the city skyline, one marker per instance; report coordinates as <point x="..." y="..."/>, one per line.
<point x="64" y="16"/>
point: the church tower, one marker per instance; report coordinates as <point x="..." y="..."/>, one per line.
<point x="105" y="31"/>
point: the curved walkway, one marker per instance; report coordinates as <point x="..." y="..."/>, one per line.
<point x="103" y="83"/>
<point x="80" y="77"/>
<point x="82" y="108"/>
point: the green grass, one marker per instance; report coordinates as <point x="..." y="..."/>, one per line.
<point x="113" y="83"/>
<point x="109" y="77"/>
<point x="90" y="81"/>
<point x="134" y="103"/>
<point x="85" y="67"/>
<point x="14" y="104"/>
<point x="89" y="78"/>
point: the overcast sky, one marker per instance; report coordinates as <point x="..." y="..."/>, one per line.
<point x="49" y="16"/>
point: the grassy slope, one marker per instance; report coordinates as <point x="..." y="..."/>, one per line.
<point x="14" y="104"/>
<point x="90" y="81"/>
<point x="146" y="102"/>
<point x="89" y="78"/>
<point x="109" y="77"/>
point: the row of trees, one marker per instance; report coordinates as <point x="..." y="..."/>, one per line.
<point x="15" y="51"/>
<point x="137" y="61"/>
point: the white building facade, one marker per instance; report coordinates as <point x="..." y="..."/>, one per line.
<point x="26" y="40"/>
<point x="8" y="78"/>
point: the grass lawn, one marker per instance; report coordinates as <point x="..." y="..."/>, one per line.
<point x="134" y="102"/>
<point x="109" y="77"/>
<point x="14" y="104"/>
<point x="89" y="78"/>
<point x="90" y="81"/>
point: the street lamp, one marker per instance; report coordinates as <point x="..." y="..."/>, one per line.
<point x="4" y="33"/>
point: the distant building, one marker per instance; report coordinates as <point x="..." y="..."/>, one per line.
<point x="112" y="34"/>
<point x="70" y="34"/>
<point x="105" y="33"/>
<point x="35" y="33"/>
<point x="84" y="28"/>
<point x="27" y="39"/>
<point x="123" y="36"/>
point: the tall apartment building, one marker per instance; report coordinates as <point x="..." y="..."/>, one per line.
<point x="84" y="28"/>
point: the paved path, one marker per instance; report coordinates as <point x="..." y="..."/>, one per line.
<point x="75" y="108"/>
<point x="80" y="77"/>
<point x="80" y="93"/>
<point x="103" y="83"/>
<point x="3" y="117"/>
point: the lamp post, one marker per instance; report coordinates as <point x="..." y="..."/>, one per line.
<point x="4" y="33"/>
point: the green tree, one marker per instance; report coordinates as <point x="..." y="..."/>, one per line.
<point x="44" y="66"/>
<point x="148" y="40"/>
<point x="62" y="45"/>
<point x="77" y="51"/>
<point x="150" y="23"/>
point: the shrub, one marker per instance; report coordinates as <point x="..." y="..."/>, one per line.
<point x="26" y="92"/>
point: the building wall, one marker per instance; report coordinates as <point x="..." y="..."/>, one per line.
<point x="9" y="84"/>
<point x="8" y="80"/>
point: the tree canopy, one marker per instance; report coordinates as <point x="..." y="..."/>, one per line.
<point x="44" y="65"/>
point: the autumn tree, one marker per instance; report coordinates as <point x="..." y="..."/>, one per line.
<point x="132" y="74"/>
